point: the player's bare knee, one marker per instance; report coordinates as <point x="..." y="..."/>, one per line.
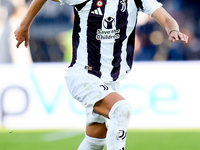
<point x="97" y="130"/>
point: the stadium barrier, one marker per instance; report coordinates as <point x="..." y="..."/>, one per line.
<point x="162" y="94"/>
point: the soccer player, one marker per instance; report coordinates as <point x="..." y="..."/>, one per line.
<point x="103" y="47"/>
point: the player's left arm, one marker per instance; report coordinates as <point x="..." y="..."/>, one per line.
<point x="56" y="0"/>
<point x="170" y="25"/>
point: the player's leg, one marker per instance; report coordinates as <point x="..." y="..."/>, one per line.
<point x="94" y="94"/>
<point x="97" y="130"/>
<point x="95" y="137"/>
<point x="85" y="89"/>
<point x="115" y="107"/>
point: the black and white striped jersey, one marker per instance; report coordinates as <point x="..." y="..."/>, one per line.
<point x="104" y="35"/>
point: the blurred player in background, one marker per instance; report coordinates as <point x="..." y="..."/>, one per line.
<point x="103" y="47"/>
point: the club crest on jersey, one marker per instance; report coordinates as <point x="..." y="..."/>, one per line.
<point x="99" y="3"/>
<point x="123" y="3"/>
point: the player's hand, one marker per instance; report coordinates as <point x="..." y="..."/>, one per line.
<point x="177" y="36"/>
<point x="21" y="35"/>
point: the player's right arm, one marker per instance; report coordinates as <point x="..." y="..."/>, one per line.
<point x="22" y="32"/>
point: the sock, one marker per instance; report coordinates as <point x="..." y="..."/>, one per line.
<point x="91" y="143"/>
<point x="119" y="116"/>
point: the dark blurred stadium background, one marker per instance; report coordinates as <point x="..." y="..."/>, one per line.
<point x="50" y="33"/>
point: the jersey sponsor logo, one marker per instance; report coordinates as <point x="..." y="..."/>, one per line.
<point x="109" y="23"/>
<point x="105" y="87"/>
<point x="97" y="11"/>
<point x="108" y="34"/>
<point x="123" y="3"/>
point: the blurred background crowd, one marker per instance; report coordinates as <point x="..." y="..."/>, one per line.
<point x="51" y="30"/>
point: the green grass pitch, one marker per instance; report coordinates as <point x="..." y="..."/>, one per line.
<point x="70" y="140"/>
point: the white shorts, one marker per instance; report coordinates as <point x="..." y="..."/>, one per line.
<point x="88" y="89"/>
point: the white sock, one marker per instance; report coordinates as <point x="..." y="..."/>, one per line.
<point x="119" y="116"/>
<point x="91" y="143"/>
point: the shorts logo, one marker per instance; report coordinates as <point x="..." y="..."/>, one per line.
<point x="105" y="87"/>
